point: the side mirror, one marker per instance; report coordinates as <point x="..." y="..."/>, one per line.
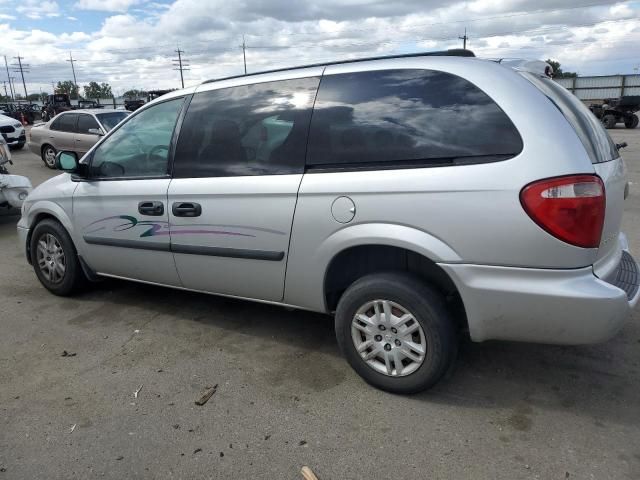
<point x="95" y="131"/>
<point x="67" y="161"/>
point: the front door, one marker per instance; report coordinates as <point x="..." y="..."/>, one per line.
<point x="121" y="211"/>
<point x="238" y="165"/>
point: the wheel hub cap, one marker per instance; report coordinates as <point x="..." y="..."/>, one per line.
<point x="388" y="338"/>
<point x="51" y="259"/>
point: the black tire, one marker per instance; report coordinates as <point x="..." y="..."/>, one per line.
<point x="631" y="121"/>
<point x="73" y="277"/>
<point x="427" y="307"/>
<point x="609" y="121"/>
<point x="47" y="160"/>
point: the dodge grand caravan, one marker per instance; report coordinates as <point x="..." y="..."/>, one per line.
<point x="418" y="198"/>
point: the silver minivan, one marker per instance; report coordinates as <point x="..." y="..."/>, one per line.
<point x="418" y="198"/>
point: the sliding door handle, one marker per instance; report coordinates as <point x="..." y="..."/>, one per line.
<point x="186" y="209"/>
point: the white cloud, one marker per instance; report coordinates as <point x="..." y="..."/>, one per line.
<point x="37" y="9"/>
<point x="73" y="19"/>
<point x="134" y="48"/>
<point x="4" y="16"/>
<point x="106" y="5"/>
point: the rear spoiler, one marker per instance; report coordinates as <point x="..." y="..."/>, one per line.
<point x="537" y="67"/>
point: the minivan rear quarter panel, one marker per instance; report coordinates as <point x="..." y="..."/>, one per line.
<point x="472" y="209"/>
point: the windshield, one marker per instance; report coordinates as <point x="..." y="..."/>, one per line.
<point x="111" y="119"/>
<point x="590" y="130"/>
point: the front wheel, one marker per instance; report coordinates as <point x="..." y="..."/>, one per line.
<point x="396" y="332"/>
<point x="54" y="258"/>
<point x="631" y="122"/>
<point x="49" y="156"/>
<point x="609" y="121"/>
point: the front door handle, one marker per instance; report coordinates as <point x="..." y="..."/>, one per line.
<point x="186" y="209"/>
<point x="154" y="209"/>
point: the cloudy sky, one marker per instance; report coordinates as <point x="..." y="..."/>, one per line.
<point x="130" y="43"/>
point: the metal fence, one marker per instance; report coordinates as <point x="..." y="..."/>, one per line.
<point x="603" y="87"/>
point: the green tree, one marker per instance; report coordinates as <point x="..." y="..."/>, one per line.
<point x="34" y="97"/>
<point x="134" y="93"/>
<point x="98" y="90"/>
<point x="557" y="71"/>
<point x="68" y="87"/>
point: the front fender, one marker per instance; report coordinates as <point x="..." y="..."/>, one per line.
<point x="53" y="209"/>
<point x="309" y="259"/>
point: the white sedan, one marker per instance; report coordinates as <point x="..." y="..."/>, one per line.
<point x="12" y="131"/>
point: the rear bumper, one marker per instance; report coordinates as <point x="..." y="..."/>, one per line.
<point x="568" y="307"/>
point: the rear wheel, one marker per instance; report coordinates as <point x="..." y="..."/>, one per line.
<point x="631" y="121"/>
<point x="55" y="259"/>
<point x="609" y="121"/>
<point x="396" y="332"/>
<point x="49" y="156"/>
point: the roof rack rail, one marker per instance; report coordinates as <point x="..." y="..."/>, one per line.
<point x="454" y="52"/>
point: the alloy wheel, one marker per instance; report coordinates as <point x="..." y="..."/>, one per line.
<point x="51" y="258"/>
<point x="50" y="157"/>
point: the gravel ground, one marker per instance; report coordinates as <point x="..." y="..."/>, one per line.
<point x="285" y="397"/>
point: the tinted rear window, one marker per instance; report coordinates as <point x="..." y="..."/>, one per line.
<point x="412" y="117"/>
<point x="589" y="129"/>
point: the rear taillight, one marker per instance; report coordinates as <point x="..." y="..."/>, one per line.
<point x="570" y="208"/>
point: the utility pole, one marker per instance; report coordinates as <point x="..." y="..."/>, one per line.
<point x="21" y="68"/>
<point x="180" y="63"/>
<point x="4" y="84"/>
<point x="6" y="65"/>
<point x="53" y="86"/>
<point x="75" y="82"/>
<point x="464" y="39"/>
<point x="244" y="54"/>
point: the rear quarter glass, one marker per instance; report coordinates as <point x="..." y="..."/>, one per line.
<point x="406" y="117"/>
<point x="589" y="129"/>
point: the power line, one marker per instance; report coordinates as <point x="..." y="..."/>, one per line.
<point x="180" y="64"/>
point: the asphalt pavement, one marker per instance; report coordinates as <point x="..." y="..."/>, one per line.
<point x="285" y="398"/>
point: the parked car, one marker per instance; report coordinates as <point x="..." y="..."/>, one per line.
<point x="75" y="131"/>
<point x="428" y="197"/>
<point x="13" y="132"/>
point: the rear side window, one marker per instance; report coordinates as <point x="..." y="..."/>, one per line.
<point x="407" y="117"/>
<point x="591" y="132"/>
<point x="65" y="122"/>
<point x="258" y="129"/>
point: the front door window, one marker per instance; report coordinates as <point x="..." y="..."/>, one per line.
<point x="140" y="147"/>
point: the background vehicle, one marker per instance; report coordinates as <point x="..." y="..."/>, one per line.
<point x="14" y="189"/>
<point x="88" y="105"/>
<point x="133" y="105"/>
<point x="616" y="110"/>
<point x="76" y="131"/>
<point x="12" y="131"/>
<point x="55" y="104"/>
<point x="394" y="192"/>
